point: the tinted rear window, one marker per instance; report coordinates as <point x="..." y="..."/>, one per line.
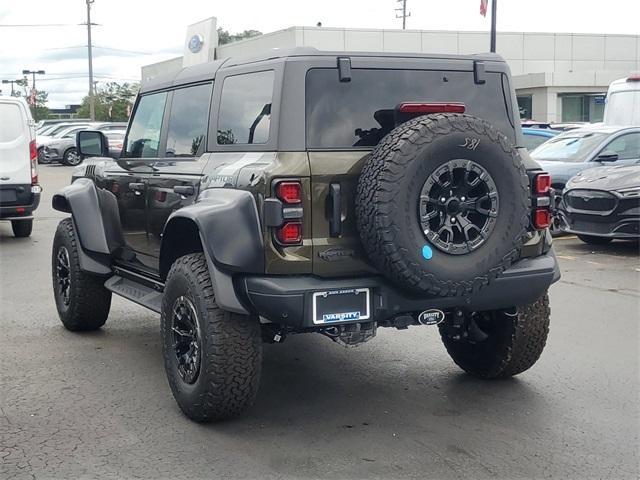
<point x="11" y="122"/>
<point x="359" y="113"/>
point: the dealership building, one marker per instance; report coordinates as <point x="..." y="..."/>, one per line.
<point x="558" y="77"/>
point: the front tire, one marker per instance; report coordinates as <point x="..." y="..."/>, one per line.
<point x="82" y="301"/>
<point x="499" y="344"/>
<point x="212" y="357"/>
<point x="71" y="158"/>
<point x="593" y="240"/>
<point x="22" y="228"/>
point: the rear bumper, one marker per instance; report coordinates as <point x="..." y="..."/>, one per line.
<point x="23" y="208"/>
<point x="287" y="300"/>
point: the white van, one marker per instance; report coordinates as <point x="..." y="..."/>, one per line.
<point x="623" y="102"/>
<point x="19" y="189"/>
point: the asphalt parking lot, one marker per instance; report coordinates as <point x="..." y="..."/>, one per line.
<point x="97" y="405"/>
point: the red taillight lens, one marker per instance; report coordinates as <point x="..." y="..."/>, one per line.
<point x="541" y="218"/>
<point x="33" y="155"/>
<point x="634" y="78"/>
<point x="542" y="183"/>
<point x="290" y="233"/>
<point x="289" y="192"/>
<point x="426" y="108"/>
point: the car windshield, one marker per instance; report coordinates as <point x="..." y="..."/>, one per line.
<point x="569" y="147"/>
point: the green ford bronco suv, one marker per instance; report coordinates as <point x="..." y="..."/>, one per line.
<point x="307" y="191"/>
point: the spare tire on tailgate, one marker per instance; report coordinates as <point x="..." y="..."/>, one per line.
<point x="443" y="204"/>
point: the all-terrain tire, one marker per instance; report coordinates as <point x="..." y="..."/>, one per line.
<point x="230" y="345"/>
<point x="22" y="228"/>
<point x="389" y="195"/>
<point x="593" y="240"/>
<point x="514" y="341"/>
<point x="86" y="305"/>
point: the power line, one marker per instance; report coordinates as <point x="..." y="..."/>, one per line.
<point x="36" y="25"/>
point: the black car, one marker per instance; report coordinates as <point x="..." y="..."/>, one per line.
<point x="602" y="204"/>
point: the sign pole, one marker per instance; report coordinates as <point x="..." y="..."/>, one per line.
<point x="494" y="8"/>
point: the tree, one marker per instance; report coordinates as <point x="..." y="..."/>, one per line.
<point x="39" y="111"/>
<point x="225" y="37"/>
<point x="113" y="102"/>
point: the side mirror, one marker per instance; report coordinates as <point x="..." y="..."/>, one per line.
<point x="92" y="143"/>
<point x="607" y="156"/>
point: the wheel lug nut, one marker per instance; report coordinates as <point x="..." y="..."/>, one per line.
<point x="462" y="199"/>
<point x="453" y="220"/>
<point x="443" y="199"/>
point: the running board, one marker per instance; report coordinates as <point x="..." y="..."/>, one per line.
<point x="136" y="292"/>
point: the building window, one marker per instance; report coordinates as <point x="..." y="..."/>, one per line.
<point x="245" y="108"/>
<point x="582" y="107"/>
<point x="525" y="106"/>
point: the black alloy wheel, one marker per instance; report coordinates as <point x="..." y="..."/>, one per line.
<point x="458" y="206"/>
<point x="63" y="275"/>
<point x="186" y="339"/>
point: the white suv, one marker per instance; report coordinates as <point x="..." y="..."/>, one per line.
<point x="19" y="189"/>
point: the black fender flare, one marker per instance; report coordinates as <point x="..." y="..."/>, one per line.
<point x="96" y="221"/>
<point x="228" y="226"/>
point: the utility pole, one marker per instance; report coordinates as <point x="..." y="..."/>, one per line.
<point x="404" y="13"/>
<point x="34" y="92"/>
<point x="92" y="101"/>
<point x="494" y="8"/>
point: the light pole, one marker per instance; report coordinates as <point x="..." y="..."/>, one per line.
<point x="11" y="82"/>
<point x="92" y="102"/>
<point x="34" y="92"/>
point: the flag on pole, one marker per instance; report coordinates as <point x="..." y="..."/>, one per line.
<point x="484" y="4"/>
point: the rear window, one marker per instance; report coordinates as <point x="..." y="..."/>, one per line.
<point x="359" y="113"/>
<point x="11" y="122"/>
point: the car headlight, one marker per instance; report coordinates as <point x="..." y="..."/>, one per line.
<point x="630" y="192"/>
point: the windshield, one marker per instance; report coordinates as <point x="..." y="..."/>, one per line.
<point x="623" y="108"/>
<point x="569" y="147"/>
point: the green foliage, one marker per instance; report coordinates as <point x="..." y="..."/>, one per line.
<point x="225" y="37"/>
<point x="112" y="102"/>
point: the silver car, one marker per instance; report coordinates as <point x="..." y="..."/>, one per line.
<point x="63" y="148"/>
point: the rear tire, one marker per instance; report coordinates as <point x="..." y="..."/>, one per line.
<point x="593" y="240"/>
<point x="22" y="228"/>
<point x="82" y="301"/>
<point x="504" y="344"/>
<point x="212" y="357"/>
<point x="42" y="159"/>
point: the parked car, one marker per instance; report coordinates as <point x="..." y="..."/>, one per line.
<point x="19" y="188"/>
<point x="116" y="142"/>
<point x="534" y="137"/>
<point x="623" y="102"/>
<point x="62" y="148"/>
<point x="57" y="131"/>
<point x="300" y="192"/>
<point x="603" y="204"/>
<point x="576" y="150"/>
<point x="43" y="124"/>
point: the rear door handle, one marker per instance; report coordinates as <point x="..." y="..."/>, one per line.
<point x="186" y="190"/>
<point x="335" y="210"/>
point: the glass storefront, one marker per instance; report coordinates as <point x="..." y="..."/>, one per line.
<point x="579" y="107"/>
<point x="525" y="106"/>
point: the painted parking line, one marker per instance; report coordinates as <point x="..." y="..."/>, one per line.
<point x="570" y="237"/>
<point x="566" y="257"/>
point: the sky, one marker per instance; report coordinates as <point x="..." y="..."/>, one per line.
<point x="132" y="33"/>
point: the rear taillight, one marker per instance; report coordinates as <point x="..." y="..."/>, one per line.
<point x="541" y="201"/>
<point x="288" y="230"/>
<point x="634" y="78"/>
<point x="290" y="233"/>
<point x="426" y="108"/>
<point x="33" y="156"/>
<point x="289" y="192"/>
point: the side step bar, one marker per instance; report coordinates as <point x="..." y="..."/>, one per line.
<point x="136" y="292"/>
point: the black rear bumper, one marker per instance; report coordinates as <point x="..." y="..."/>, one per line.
<point x="23" y="200"/>
<point x="287" y="300"/>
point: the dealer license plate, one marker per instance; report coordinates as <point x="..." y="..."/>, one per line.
<point x="337" y="306"/>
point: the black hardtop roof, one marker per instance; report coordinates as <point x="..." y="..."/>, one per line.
<point x="207" y="71"/>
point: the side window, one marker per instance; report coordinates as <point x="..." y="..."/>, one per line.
<point x="626" y="146"/>
<point x="143" y="139"/>
<point x="245" y="108"/>
<point x="188" y="120"/>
